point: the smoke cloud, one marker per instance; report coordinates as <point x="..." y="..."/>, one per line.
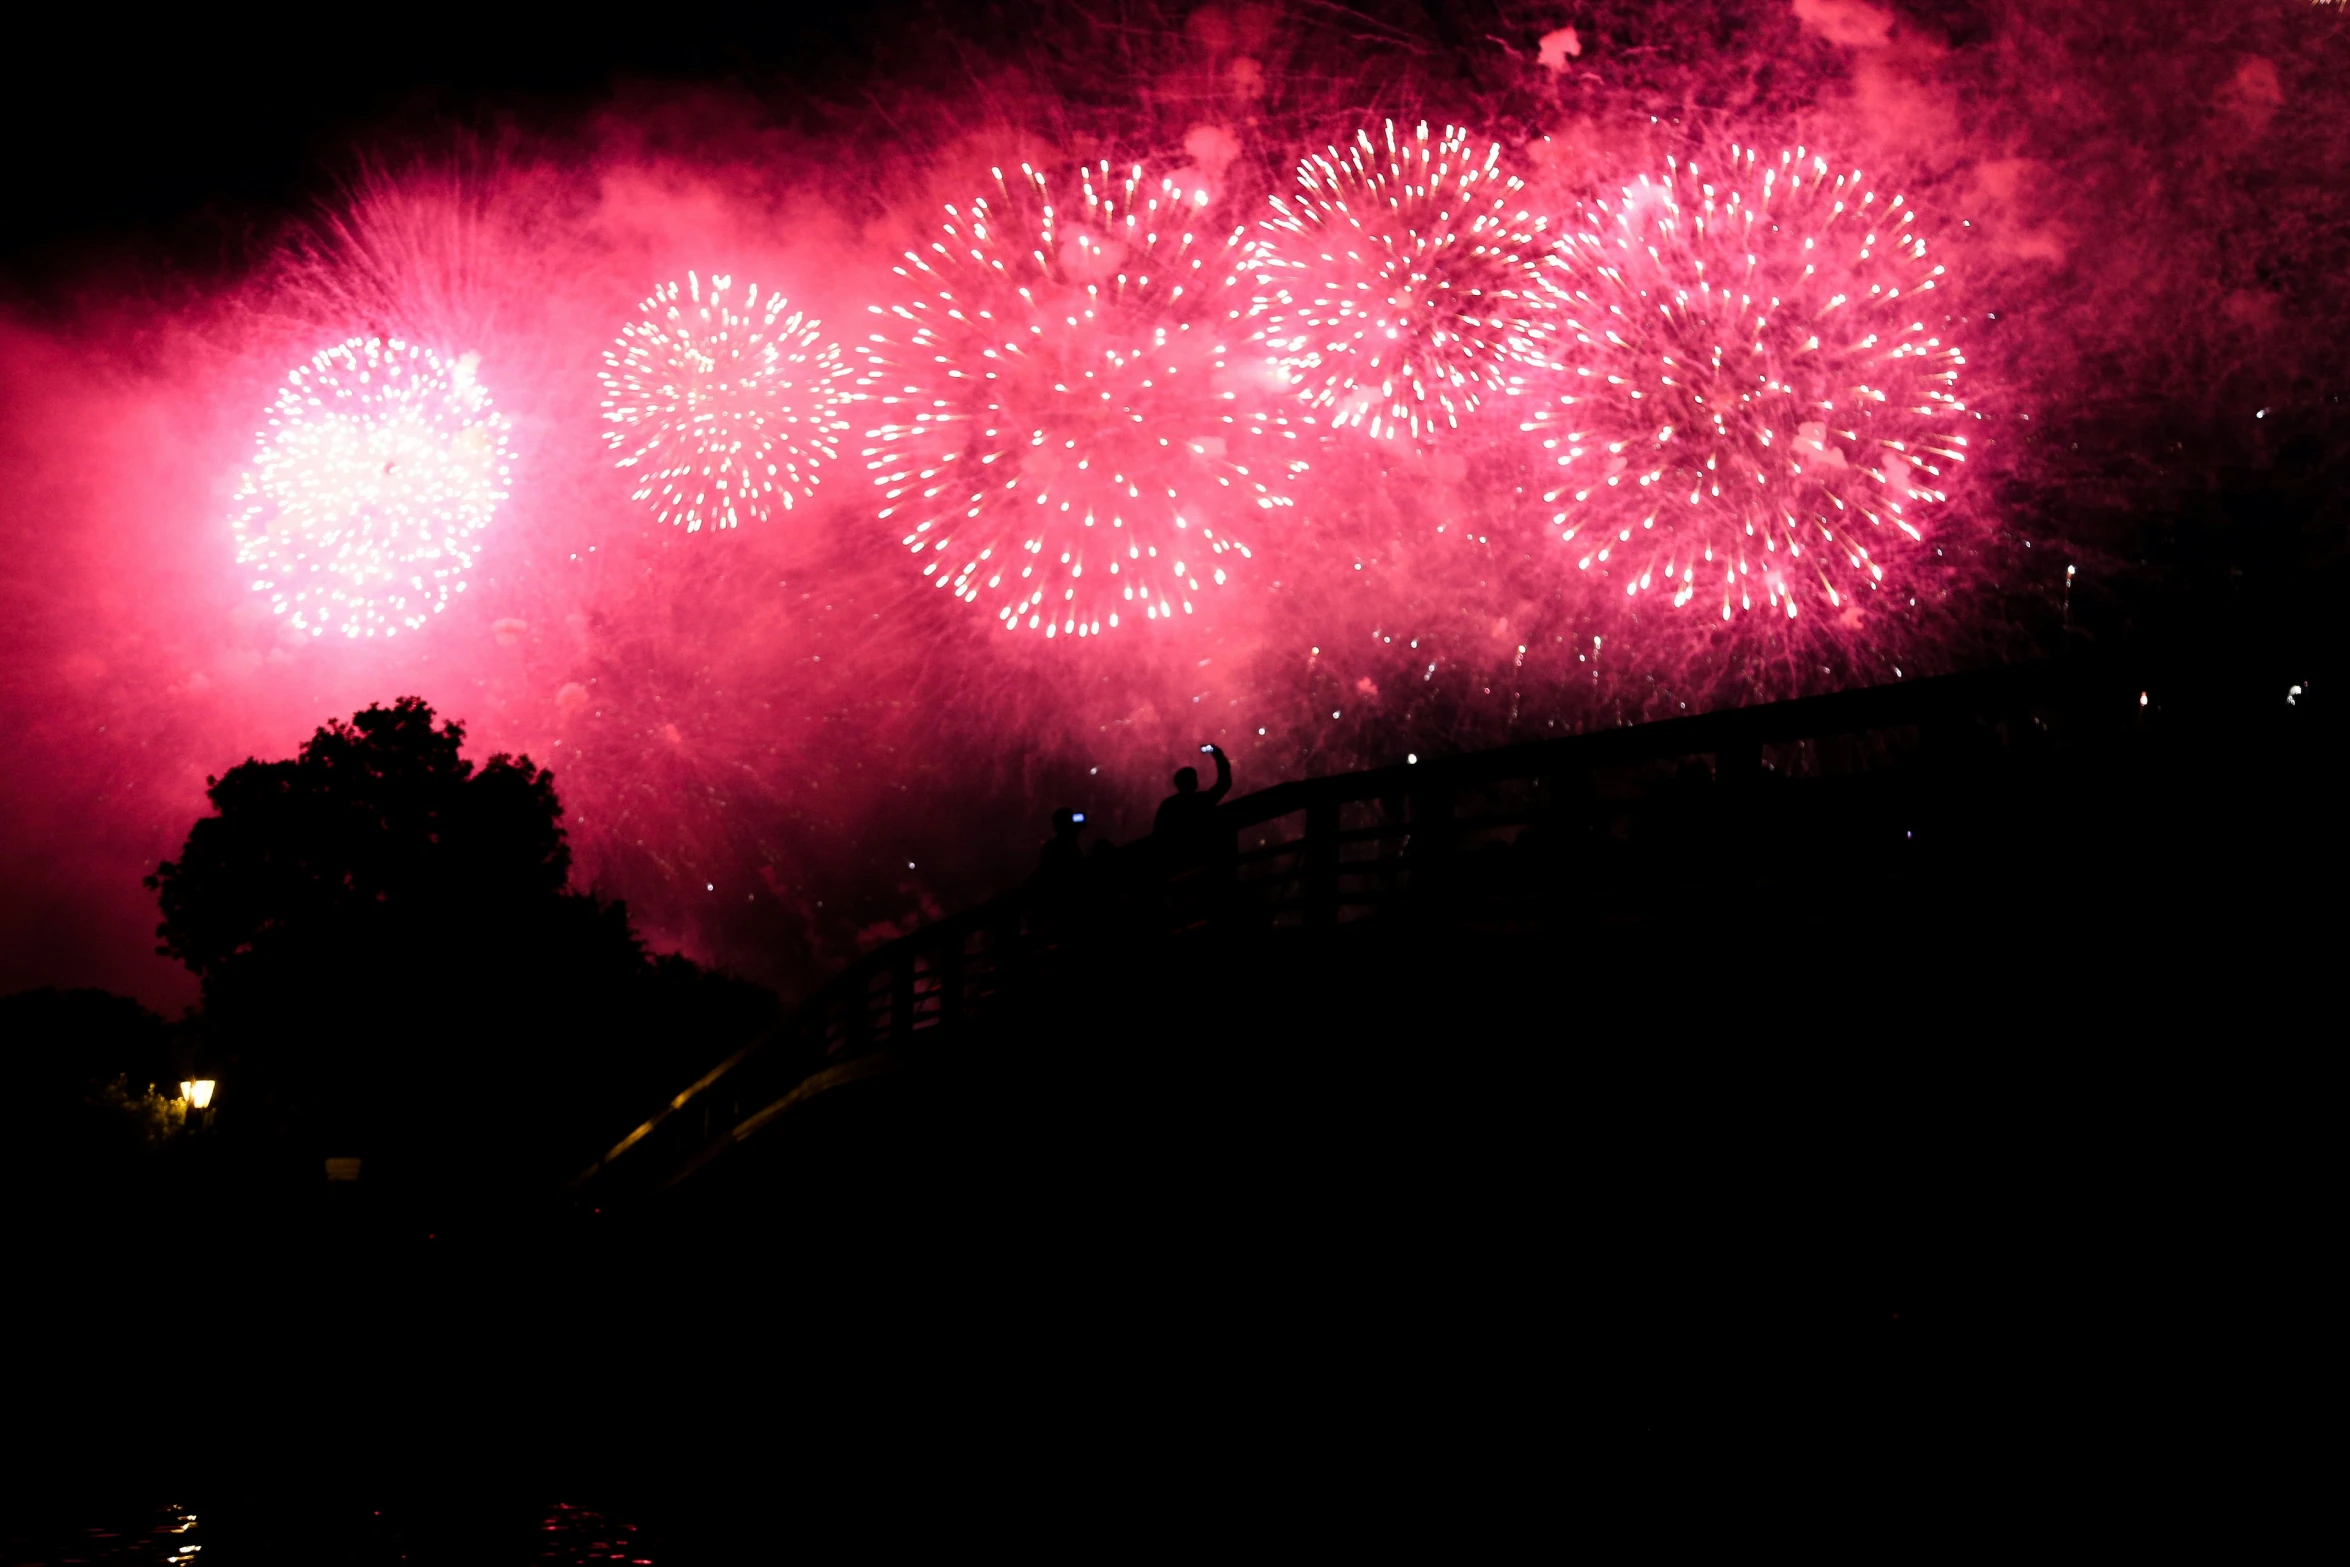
<point x="778" y="743"/>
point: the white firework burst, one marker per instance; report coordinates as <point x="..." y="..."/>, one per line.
<point x="1758" y="388"/>
<point x="379" y="468"/>
<point x="1402" y="284"/>
<point x="721" y="410"/>
<point x="1062" y="433"/>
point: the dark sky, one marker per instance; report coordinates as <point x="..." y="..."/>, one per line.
<point x="182" y="134"/>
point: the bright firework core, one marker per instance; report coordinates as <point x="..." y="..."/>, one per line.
<point x="1759" y="393"/>
<point x="725" y="409"/>
<point x="1401" y="286"/>
<point x="378" y="466"/>
<point x="1063" y="434"/>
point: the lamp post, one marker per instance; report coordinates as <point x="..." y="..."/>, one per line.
<point x="197" y="1091"/>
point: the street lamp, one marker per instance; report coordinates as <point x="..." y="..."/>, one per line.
<point x="197" y="1091"/>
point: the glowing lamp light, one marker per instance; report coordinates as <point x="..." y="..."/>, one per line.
<point x="198" y="1092"/>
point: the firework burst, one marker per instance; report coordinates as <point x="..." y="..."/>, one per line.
<point x="1402" y="284"/>
<point x="722" y="410"/>
<point x="1061" y="436"/>
<point x="379" y="466"/>
<point x="1760" y="393"/>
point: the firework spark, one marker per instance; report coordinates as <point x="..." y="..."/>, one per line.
<point x="724" y="409"/>
<point x="1402" y="285"/>
<point x="1061" y="433"/>
<point x="1760" y="391"/>
<point x="379" y="466"/>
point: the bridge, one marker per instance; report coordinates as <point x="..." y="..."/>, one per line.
<point x="1838" y="831"/>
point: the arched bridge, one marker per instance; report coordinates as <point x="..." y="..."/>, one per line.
<point x="1832" y="803"/>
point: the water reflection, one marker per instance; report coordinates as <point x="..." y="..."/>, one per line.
<point x="153" y="1534"/>
<point x="567" y="1535"/>
<point x="582" y="1535"/>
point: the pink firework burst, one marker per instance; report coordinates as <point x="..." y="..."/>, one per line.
<point x="1402" y="284"/>
<point x="1760" y="392"/>
<point x="379" y="466"/>
<point x="722" y="409"/>
<point x="1061" y="437"/>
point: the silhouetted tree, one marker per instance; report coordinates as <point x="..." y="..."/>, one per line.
<point x="381" y="819"/>
<point x="393" y="957"/>
<point x="59" y="1042"/>
<point x="91" y="1076"/>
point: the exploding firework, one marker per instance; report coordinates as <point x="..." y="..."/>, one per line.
<point x="1402" y="285"/>
<point x="379" y="466"/>
<point x="1760" y="394"/>
<point x="1062" y="435"/>
<point x="722" y="410"/>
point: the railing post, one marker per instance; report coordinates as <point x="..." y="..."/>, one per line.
<point x="1738" y="764"/>
<point x="1433" y="836"/>
<point x="901" y="996"/>
<point x="857" y="996"/>
<point x="947" y="970"/>
<point x="1394" y="844"/>
<point x="1010" y="953"/>
<point x="1322" y="861"/>
<point x="1432" y="824"/>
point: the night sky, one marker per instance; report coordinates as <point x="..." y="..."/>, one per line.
<point x="778" y="742"/>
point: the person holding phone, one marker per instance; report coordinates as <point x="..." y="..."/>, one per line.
<point x="1188" y="816"/>
<point x="1060" y="865"/>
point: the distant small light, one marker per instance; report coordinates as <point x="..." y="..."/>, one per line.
<point x="1411" y="756"/>
<point x="2141" y="699"/>
<point x="909" y="865"/>
<point x="2262" y="414"/>
<point x="709" y="886"/>
<point x="2290" y="696"/>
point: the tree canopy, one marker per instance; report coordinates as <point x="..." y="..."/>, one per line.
<point x="394" y="960"/>
<point x="377" y="821"/>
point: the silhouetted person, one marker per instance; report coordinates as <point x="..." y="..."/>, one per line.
<point x="1060" y="865"/>
<point x="1186" y="823"/>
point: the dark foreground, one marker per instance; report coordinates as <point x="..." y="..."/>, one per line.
<point x="1968" y="1176"/>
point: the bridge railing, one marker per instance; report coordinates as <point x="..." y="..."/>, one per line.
<point x="1317" y="853"/>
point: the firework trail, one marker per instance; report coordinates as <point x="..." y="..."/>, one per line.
<point x="725" y="410"/>
<point x="1062" y="435"/>
<point x="1760" y="393"/>
<point x="1402" y="285"/>
<point x="379" y="466"/>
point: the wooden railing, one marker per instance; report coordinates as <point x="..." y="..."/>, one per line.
<point x="1413" y="840"/>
